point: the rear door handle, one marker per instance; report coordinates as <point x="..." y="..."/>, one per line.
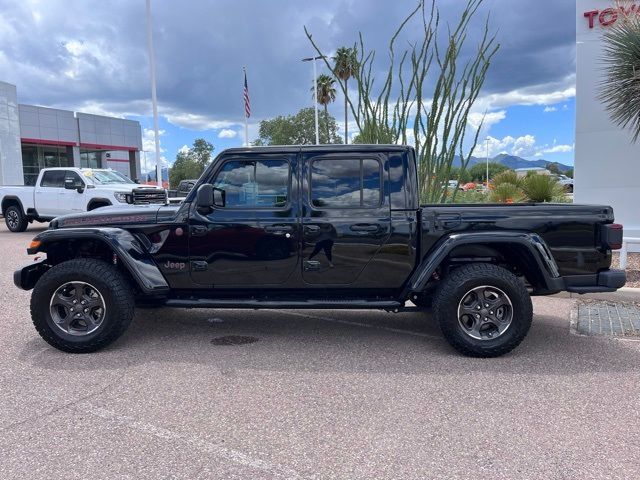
<point x="312" y="228"/>
<point x="364" y="228"/>
<point x="278" y="228"/>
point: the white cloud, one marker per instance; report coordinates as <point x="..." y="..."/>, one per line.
<point x="193" y="121"/>
<point x="149" y="148"/>
<point x="549" y="109"/>
<point x="524" y="146"/>
<point x="184" y="149"/>
<point x="487" y="120"/>
<point x="546" y="150"/>
<point x="227" y="133"/>
<point x="521" y="146"/>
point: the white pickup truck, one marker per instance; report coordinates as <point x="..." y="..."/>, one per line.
<point x="59" y="191"/>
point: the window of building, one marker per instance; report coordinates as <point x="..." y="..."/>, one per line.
<point x="53" y="179"/>
<point x="254" y="184"/>
<point x="37" y="157"/>
<point x="348" y="183"/>
<point x="30" y="165"/>
<point x="90" y="159"/>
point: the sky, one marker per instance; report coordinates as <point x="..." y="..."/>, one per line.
<point x="91" y="56"/>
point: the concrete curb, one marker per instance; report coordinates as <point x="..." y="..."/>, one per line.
<point x="625" y="294"/>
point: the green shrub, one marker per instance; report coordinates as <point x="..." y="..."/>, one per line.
<point x="506" y="193"/>
<point x="508" y="176"/>
<point x="542" y="188"/>
<point x="468" y="197"/>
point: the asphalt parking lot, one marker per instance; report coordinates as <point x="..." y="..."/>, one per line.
<point x="320" y="394"/>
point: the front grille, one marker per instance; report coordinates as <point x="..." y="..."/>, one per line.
<point x="146" y="196"/>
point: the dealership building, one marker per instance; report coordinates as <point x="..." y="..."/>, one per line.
<point x="607" y="160"/>
<point x="34" y="137"/>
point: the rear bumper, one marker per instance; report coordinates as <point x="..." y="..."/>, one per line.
<point x="605" y="281"/>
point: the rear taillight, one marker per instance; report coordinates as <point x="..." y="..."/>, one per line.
<point x="612" y="237"/>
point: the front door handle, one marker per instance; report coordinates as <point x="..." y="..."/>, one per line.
<point x="278" y="228"/>
<point x="312" y="228"/>
<point x="364" y="227"/>
<point x="312" y="265"/>
<point x="198" y="230"/>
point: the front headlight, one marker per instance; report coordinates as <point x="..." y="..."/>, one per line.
<point x="122" y="197"/>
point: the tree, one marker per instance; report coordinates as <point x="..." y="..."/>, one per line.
<point x="201" y="152"/>
<point x="462" y="176"/>
<point x="325" y="87"/>
<point x="479" y="171"/>
<point x="554" y="168"/>
<point x="621" y="60"/>
<point x="298" y="129"/>
<point x="569" y="173"/>
<point x="346" y="66"/>
<point x="191" y="163"/>
<point x="426" y="93"/>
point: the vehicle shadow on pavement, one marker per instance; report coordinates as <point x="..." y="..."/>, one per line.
<point x="362" y="342"/>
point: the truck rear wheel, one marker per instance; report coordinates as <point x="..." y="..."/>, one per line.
<point x="16" y="220"/>
<point x="483" y="310"/>
<point x="82" y="305"/>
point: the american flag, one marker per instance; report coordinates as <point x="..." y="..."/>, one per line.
<point x="247" y="103"/>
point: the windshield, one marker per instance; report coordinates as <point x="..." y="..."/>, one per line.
<point x="107" y="177"/>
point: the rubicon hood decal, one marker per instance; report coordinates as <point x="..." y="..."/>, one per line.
<point x="108" y="216"/>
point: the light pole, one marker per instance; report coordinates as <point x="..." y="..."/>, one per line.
<point x="487" y="163"/>
<point x="315" y="92"/>
<point x="154" y="98"/>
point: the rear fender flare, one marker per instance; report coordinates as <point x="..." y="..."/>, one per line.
<point x="129" y="250"/>
<point x="532" y="242"/>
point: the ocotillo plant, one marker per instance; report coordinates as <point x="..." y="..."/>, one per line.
<point x="402" y="111"/>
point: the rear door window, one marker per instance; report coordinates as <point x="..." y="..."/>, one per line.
<point x="346" y="183"/>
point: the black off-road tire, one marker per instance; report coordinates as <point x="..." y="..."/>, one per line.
<point x="15" y="219"/>
<point x="453" y="289"/>
<point x="114" y="288"/>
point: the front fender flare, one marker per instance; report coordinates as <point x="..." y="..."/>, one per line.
<point x="129" y="250"/>
<point x="533" y="242"/>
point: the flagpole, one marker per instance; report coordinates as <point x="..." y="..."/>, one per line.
<point x="154" y="97"/>
<point x="246" y="119"/>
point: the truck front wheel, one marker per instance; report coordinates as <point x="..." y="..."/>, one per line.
<point x="82" y="305"/>
<point x="483" y="310"/>
<point x="14" y="218"/>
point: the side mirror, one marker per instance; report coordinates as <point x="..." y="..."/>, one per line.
<point x="204" y="197"/>
<point x="69" y="184"/>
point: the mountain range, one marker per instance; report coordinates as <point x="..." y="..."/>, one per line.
<point x="513" y="162"/>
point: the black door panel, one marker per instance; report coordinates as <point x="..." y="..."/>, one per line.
<point x="254" y="240"/>
<point x="345" y="216"/>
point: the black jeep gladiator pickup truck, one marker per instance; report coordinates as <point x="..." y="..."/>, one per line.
<point x="317" y="227"/>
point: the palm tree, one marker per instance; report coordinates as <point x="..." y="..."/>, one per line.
<point x="345" y="66"/>
<point x="326" y="94"/>
<point x="619" y="88"/>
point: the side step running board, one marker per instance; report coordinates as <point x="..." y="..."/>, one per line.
<point x="301" y="304"/>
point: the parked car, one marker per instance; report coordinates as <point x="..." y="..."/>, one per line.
<point x="60" y="191"/>
<point x="566" y="182"/>
<point x="180" y="193"/>
<point x="337" y="227"/>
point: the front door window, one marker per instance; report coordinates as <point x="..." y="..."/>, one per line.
<point x="254" y="184"/>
